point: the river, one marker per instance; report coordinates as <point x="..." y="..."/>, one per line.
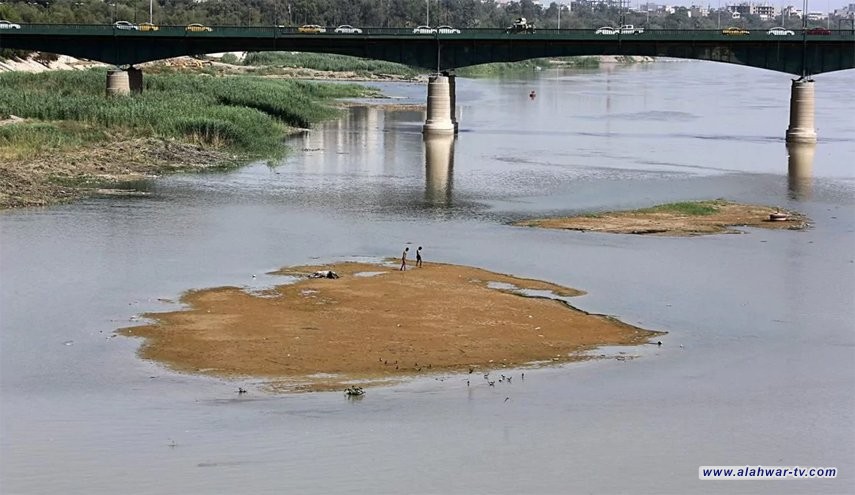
<point x="758" y="366"/>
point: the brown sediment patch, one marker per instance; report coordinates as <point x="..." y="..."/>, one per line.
<point x="678" y="219"/>
<point x="89" y="170"/>
<point x="318" y="334"/>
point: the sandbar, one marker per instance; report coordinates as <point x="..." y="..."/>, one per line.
<point x="376" y="324"/>
<point x="677" y="219"/>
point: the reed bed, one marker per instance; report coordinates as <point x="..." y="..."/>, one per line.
<point x="18" y="142"/>
<point x="499" y="69"/>
<point x="247" y="114"/>
<point x="329" y="62"/>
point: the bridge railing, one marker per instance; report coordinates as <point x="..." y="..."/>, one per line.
<point x="468" y="33"/>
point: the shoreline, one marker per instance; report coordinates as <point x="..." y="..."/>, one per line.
<point x="107" y="167"/>
<point x="102" y="168"/>
<point x="376" y="325"/>
<point x="109" y="160"/>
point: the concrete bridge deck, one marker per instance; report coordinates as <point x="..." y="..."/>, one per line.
<point x="800" y="54"/>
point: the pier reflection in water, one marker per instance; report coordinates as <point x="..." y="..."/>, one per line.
<point x="439" y="167"/>
<point x="800" y="170"/>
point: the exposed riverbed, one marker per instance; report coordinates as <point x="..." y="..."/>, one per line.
<point x="375" y="323"/>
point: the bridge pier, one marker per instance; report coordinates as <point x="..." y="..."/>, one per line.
<point x="135" y="79"/>
<point x="124" y="82"/>
<point x="800" y="169"/>
<point x="802" y="128"/>
<point x="439" y="167"/>
<point x="117" y="82"/>
<point x="439" y="107"/>
<point x="452" y="92"/>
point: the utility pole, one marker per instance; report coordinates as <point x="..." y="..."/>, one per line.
<point x="804" y="39"/>
<point x="719" y="14"/>
<point x="559" y="17"/>
<point x="427" y="15"/>
<point x="151" y="11"/>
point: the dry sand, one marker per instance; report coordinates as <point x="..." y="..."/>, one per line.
<point x="319" y="334"/>
<point x="661" y="221"/>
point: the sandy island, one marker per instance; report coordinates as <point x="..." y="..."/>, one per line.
<point x="678" y="219"/>
<point x="375" y="324"/>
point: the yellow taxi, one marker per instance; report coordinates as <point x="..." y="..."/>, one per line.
<point x="198" y="28"/>
<point x="147" y="26"/>
<point x="311" y="28"/>
<point x="734" y="31"/>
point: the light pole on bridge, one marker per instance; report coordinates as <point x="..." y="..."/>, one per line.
<point x="719" y="14"/>
<point x="804" y="39"/>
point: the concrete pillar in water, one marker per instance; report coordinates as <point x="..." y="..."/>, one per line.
<point x="800" y="170"/>
<point x="117" y="82"/>
<point x="439" y="167"/>
<point x="452" y="93"/>
<point x="135" y="79"/>
<point x="438" y="107"/>
<point x="801" y="128"/>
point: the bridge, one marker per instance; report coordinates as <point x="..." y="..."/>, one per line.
<point x="800" y="54"/>
<point x="803" y="53"/>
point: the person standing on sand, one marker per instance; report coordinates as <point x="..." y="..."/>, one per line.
<point x="404" y="259"/>
<point x="419" y="257"/>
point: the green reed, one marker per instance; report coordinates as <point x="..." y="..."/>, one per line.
<point x="329" y="62"/>
<point x="247" y="114"/>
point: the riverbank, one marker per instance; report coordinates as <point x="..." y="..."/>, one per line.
<point x="376" y="324"/>
<point x="61" y="139"/>
<point x="679" y="219"/>
<point x="95" y="169"/>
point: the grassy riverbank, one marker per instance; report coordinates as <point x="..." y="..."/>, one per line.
<point x="274" y="63"/>
<point x="501" y="69"/>
<point x="269" y="61"/>
<point x="64" y="123"/>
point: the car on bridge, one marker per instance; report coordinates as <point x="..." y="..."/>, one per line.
<point x="819" y="31"/>
<point x="424" y="30"/>
<point x="625" y="29"/>
<point x="126" y="26"/>
<point x="734" y="31"/>
<point x="447" y="30"/>
<point x="147" y="26"/>
<point x="780" y="31"/>
<point x="348" y="29"/>
<point x="198" y="28"/>
<point x="311" y="28"/>
<point x="9" y="25"/>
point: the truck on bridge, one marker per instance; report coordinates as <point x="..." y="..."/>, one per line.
<point x="520" y="25"/>
<point x="625" y="29"/>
